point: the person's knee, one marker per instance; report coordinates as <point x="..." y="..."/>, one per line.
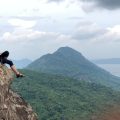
<point x="10" y="63"/>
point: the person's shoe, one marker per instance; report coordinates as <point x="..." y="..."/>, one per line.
<point x="19" y="75"/>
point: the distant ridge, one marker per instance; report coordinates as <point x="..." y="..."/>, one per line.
<point x="107" y="61"/>
<point x="22" y="63"/>
<point x="69" y="62"/>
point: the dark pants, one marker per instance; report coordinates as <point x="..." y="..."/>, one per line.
<point x="6" y="61"/>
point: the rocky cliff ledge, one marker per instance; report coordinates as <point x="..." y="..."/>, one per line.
<point x="12" y="106"/>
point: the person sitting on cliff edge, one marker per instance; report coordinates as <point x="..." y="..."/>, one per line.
<point x="4" y="60"/>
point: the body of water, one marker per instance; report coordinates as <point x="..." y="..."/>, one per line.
<point x="112" y="68"/>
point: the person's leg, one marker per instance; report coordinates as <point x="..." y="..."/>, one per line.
<point x="10" y="63"/>
<point x="14" y="69"/>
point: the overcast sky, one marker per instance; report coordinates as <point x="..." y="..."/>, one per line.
<point x="32" y="28"/>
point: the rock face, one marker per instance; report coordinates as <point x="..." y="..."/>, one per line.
<point x="12" y="106"/>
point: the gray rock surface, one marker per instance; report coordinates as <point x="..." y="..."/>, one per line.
<point x="12" y="106"/>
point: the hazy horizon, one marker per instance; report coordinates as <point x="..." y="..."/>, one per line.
<point x="92" y="60"/>
<point x="74" y="49"/>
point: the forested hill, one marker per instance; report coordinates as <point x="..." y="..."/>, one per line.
<point x="69" y="62"/>
<point x="54" y="97"/>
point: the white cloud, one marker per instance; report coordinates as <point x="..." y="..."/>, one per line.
<point x="91" y="32"/>
<point x="28" y="42"/>
<point x="22" y="23"/>
<point x="115" y="29"/>
<point x="113" y="34"/>
<point x="87" y="30"/>
<point x="90" y="40"/>
<point x="6" y="35"/>
<point x="32" y="36"/>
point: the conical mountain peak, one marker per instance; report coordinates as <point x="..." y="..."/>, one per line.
<point x="68" y="50"/>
